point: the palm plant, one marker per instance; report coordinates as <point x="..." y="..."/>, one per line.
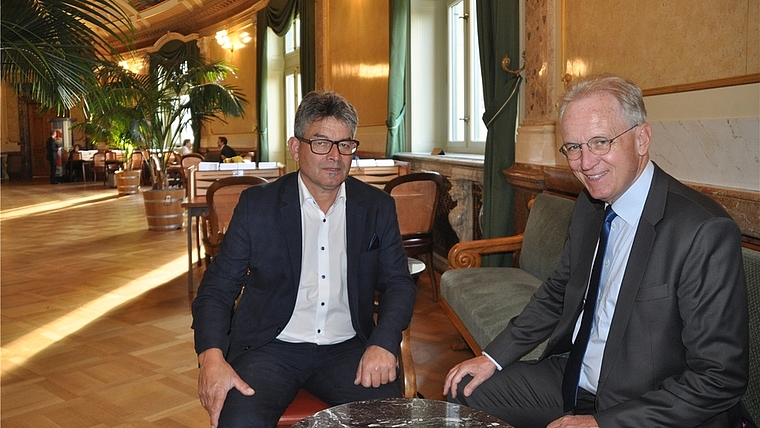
<point x="50" y="49"/>
<point x="178" y="92"/>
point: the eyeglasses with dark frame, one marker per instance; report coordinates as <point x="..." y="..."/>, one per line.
<point x="597" y="145"/>
<point x="323" y="146"/>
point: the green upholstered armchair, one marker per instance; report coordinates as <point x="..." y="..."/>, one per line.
<point x="481" y="300"/>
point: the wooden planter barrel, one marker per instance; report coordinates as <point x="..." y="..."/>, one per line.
<point x="128" y="182"/>
<point x="163" y="209"/>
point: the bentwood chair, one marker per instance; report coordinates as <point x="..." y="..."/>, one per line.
<point x="416" y="198"/>
<point x="186" y="162"/>
<point x="221" y="198"/>
<point x="99" y="166"/>
<point x="305" y="404"/>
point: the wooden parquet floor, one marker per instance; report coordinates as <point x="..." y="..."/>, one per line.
<point x="95" y="315"/>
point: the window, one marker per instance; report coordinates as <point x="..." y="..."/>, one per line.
<point x="292" y="74"/>
<point x="466" y="130"/>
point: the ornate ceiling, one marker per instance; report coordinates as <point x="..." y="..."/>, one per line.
<point x="154" y="18"/>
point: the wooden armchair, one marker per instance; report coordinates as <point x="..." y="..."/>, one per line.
<point x="222" y="197"/>
<point x="481" y="300"/>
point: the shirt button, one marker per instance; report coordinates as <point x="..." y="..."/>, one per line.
<point x="322" y="248"/>
<point x="319" y="331"/>
<point x="323" y="277"/>
<point x="323" y="303"/>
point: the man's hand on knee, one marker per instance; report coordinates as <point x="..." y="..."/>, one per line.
<point x="215" y="379"/>
<point x="377" y="367"/>
<point x="480" y="368"/>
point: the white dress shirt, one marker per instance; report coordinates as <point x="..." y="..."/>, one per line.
<point x="628" y="209"/>
<point x="322" y="313"/>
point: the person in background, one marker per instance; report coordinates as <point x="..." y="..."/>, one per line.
<point x="314" y="250"/>
<point x="51" y="154"/>
<point x="73" y="164"/>
<point x="186" y="148"/>
<point x="227" y="151"/>
<point x="665" y="340"/>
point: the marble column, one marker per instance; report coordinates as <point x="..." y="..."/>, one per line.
<point x="535" y="135"/>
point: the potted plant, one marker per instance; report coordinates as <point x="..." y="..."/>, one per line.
<point x="177" y="93"/>
<point x="112" y="125"/>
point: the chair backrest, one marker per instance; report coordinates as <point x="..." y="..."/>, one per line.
<point x="76" y="156"/>
<point x="189" y="160"/>
<point x="137" y="160"/>
<point x="751" y="399"/>
<point x="416" y="198"/>
<point x="99" y="160"/>
<point x="545" y="234"/>
<point x="222" y="197"/>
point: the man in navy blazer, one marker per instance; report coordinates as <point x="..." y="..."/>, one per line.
<point x="669" y="338"/>
<point x="289" y="301"/>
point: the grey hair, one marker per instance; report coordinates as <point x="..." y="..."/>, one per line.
<point x="320" y="105"/>
<point x="625" y="91"/>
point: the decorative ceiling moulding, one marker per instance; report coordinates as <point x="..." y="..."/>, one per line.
<point x="169" y="37"/>
<point x="198" y="16"/>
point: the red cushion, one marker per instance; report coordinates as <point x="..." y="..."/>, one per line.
<point x="302" y="406"/>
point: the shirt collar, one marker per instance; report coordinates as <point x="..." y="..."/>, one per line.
<point x="305" y="196"/>
<point x="631" y="204"/>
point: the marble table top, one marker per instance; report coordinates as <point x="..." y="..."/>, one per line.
<point x="400" y="412"/>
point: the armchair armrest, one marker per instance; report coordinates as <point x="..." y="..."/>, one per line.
<point x="469" y="254"/>
<point x="406" y="366"/>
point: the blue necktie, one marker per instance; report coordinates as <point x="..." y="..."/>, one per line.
<point x="573" y="368"/>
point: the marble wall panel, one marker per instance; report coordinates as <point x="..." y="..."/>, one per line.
<point x="721" y="152"/>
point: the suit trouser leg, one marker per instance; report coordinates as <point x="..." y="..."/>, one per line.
<point x="523" y="394"/>
<point x="277" y="370"/>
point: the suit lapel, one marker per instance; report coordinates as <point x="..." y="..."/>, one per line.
<point x="355" y="221"/>
<point x="290" y="210"/>
<point x="643" y="242"/>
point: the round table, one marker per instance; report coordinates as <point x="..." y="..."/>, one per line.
<point x="398" y="412"/>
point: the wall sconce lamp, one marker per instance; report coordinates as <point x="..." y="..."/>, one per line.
<point x="232" y="41"/>
<point x="135" y="65"/>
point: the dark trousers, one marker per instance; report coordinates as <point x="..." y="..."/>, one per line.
<point x="524" y="395"/>
<point x="53" y="168"/>
<point x="278" y="370"/>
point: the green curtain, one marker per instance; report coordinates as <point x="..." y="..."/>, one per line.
<point x="262" y="154"/>
<point x="399" y="54"/>
<point x="278" y="15"/>
<point x="307" y="12"/>
<point x="498" y="35"/>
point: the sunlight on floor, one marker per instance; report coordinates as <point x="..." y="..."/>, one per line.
<point x="21" y="350"/>
<point x="51" y="207"/>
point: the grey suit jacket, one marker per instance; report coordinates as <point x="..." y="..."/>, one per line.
<point x="677" y="350"/>
<point x="262" y="250"/>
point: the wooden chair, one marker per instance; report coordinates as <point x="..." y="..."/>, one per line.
<point x="186" y="162"/>
<point x="222" y="197"/>
<point x="99" y="166"/>
<point x="112" y="164"/>
<point x="416" y="198"/>
<point x="305" y="404"/>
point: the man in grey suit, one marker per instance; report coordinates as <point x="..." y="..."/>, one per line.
<point x="668" y="337"/>
<point x="310" y="253"/>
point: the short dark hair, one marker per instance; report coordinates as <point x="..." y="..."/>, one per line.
<point x="223" y="140"/>
<point x="319" y="105"/>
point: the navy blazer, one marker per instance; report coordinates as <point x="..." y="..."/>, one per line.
<point x="262" y="251"/>
<point x="677" y="350"/>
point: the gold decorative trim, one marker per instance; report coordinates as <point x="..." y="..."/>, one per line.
<point x="707" y="84"/>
